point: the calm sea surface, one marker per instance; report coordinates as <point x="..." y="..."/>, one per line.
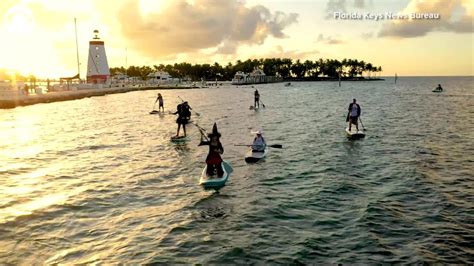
<point x="97" y="179"/>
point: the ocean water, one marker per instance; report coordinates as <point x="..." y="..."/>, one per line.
<point x="98" y="181"/>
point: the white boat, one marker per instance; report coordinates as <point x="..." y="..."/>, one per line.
<point x="9" y="90"/>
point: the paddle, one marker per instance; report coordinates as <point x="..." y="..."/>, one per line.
<point x="362" y="124"/>
<point x="201" y="130"/>
<point x="198" y="114"/>
<point x="262" y="104"/>
<point x="276" y="146"/>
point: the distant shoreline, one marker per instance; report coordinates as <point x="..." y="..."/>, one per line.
<point x="333" y="79"/>
<point x="50" y="97"/>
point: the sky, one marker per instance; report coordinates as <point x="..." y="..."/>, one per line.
<point x="38" y="36"/>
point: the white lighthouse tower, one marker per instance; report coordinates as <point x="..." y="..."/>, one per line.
<point x="98" y="71"/>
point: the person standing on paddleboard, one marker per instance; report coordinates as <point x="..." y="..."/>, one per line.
<point x="353" y="114"/>
<point x="213" y="159"/>
<point x="257" y="99"/>
<point x="184" y="114"/>
<point x="259" y="143"/>
<point x="159" y="99"/>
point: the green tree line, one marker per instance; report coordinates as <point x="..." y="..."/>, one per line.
<point x="283" y="67"/>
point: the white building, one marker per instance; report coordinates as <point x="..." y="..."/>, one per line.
<point x="98" y="71"/>
<point x="257" y="76"/>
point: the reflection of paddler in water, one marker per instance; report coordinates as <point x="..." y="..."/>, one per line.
<point x="184" y="114"/>
<point x="213" y="159"/>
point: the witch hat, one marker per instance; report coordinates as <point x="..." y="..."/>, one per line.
<point x="214" y="132"/>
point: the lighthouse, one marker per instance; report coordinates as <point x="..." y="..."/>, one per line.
<point x="97" y="67"/>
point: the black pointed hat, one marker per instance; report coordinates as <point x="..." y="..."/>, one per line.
<point x="214" y="132"/>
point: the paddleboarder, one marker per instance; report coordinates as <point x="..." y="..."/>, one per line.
<point x="353" y="114"/>
<point x="159" y="99"/>
<point x="257" y="99"/>
<point x="259" y="143"/>
<point x="439" y="88"/>
<point x="184" y="114"/>
<point x="213" y="159"/>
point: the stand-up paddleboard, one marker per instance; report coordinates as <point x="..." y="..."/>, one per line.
<point x="179" y="139"/>
<point x="251" y="107"/>
<point x="437" y="90"/>
<point x="354" y="133"/>
<point x="215" y="182"/>
<point x="255" y="156"/>
<point x="154" y="112"/>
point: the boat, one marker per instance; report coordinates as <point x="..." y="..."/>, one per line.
<point x="255" y="156"/>
<point x="215" y="182"/>
<point x="11" y="91"/>
<point x="354" y="133"/>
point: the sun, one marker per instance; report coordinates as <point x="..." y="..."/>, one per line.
<point x="19" y="20"/>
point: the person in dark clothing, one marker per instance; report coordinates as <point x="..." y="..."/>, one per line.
<point x="353" y="114"/>
<point x="160" y="100"/>
<point x="257" y="99"/>
<point x="187" y="110"/>
<point x="213" y="159"/>
<point x="184" y="114"/>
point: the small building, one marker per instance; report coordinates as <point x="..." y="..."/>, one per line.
<point x="257" y="76"/>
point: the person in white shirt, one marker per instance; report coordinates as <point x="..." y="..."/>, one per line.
<point x="259" y="143"/>
<point x="353" y="114"/>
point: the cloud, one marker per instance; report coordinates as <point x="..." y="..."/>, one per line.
<point x="328" y="39"/>
<point x="367" y="35"/>
<point x="341" y="6"/>
<point x="280" y="52"/>
<point x="186" y="27"/>
<point x="227" y="48"/>
<point x="359" y="3"/>
<point x="455" y="16"/>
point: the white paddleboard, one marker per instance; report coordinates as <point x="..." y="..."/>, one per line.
<point x="354" y="133"/>
<point x="215" y="182"/>
<point x="253" y="156"/>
